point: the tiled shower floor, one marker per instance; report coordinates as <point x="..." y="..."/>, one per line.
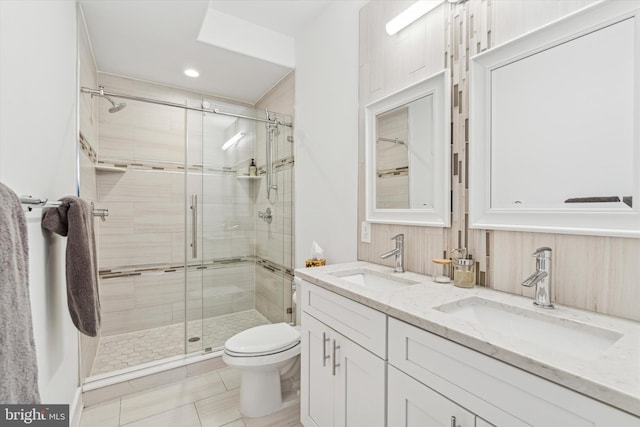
<point x="134" y="348"/>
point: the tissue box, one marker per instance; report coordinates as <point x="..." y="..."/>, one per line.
<point x="316" y="262"/>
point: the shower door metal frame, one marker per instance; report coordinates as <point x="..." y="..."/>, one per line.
<point x="104" y="93"/>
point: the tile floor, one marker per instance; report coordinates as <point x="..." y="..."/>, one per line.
<point x="135" y="348"/>
<point x="206" y="400"/>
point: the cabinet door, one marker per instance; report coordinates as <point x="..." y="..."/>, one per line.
<point x="359" y="385"/>
<point x="412" y="404"/>
<point x="317" y="396"/>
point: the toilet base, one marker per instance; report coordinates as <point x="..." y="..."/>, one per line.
<point x="261" y="377"/>
<point x="260" y="394"/>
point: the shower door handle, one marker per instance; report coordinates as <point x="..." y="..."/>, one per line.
<point x="194" y="226"/>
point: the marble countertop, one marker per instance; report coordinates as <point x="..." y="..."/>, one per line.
<point x="612" y="377"/>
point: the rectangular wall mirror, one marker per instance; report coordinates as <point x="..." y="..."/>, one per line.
<point x="554" y="136"/>
<point x="407" y="155"/>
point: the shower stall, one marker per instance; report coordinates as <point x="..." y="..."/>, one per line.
<point x="195" y="249"/>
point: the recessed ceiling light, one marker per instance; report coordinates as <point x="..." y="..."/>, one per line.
<point x="191" y="72"/>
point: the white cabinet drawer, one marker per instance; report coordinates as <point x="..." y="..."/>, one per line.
<point x="497" y="392"/>
<point x="412" y="404"/>
<point x="361" y="324"/>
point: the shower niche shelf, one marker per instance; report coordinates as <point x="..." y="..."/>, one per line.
<point x="105" y="168"/>
<point x="248" y="177"/>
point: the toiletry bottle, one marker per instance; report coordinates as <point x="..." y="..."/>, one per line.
<point x="464" y="273"/>
<point x="464" y="270"/>
<point x="253" y="169"/>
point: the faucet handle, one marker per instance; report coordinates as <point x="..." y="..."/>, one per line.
<point x="543" y="252"/>
<point x="398" y="237"/>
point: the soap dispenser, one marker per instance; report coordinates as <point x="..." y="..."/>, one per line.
<point x="464" y="272"/>
<point x="253" y="169"/>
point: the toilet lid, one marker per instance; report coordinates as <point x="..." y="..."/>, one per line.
<point x="263" y="339"/>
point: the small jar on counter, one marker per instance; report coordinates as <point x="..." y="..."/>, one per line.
<point x="464" y="273"/>
<point x="441" y="270"/>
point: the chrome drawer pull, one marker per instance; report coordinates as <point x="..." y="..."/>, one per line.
<point x="325" y="340"/>
<point x="335" y="365"/>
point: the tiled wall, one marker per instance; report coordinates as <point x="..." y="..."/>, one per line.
<point x="593" y="273"/>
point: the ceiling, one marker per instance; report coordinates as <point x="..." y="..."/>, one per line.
<point x="241" y="48"/>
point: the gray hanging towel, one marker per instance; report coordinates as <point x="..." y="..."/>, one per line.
<point x="74" y="218"/>
<point x="18" y="364"/>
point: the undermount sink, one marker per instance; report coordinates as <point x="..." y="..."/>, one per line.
<point x="562" y="335"/>
<point x="374" y="280"/>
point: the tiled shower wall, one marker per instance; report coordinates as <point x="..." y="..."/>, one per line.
<point x="274" y="242"/>
<point x="593" y="273"/>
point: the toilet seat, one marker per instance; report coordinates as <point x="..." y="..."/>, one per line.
<point x="263" y="340"/>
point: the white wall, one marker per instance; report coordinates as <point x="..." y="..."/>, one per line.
<point x="326" y="134"/>
<point x="38" y="157"/>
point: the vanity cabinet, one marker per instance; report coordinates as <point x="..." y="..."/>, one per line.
<point x="362" y="368"/>
<point x="343" y="382"/>
<point x="495" y="391"/>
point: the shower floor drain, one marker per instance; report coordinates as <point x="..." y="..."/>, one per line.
<point x="194" y="339"/>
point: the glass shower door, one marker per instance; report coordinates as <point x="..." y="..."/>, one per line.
<point x="220" y="284"/>
<point x="245" y="261"/>
<point x="193" y="255"/>
<point x="140" y="178"/>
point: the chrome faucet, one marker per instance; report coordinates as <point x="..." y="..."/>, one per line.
<point x="541" y="278"/>
<point x="398" y="252"/>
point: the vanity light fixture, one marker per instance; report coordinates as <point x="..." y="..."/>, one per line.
<point x="191" y="72"/>
<point x="233" y="140"/>
<point x="414" y="12"/>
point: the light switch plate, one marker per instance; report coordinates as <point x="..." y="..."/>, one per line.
<point x="365" y="232"/>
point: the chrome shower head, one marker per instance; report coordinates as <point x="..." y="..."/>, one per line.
<point x="116" y="107"/>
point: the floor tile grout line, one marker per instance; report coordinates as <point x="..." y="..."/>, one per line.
<point x="198" y="412"/>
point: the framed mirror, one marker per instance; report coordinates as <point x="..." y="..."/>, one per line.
<point x="554" y="127"/>
<point x="408" y="146"/>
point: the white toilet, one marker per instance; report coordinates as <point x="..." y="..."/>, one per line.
<point x="265" y="355"/>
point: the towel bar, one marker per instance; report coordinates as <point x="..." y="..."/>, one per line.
<point x="34" y="202"/>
